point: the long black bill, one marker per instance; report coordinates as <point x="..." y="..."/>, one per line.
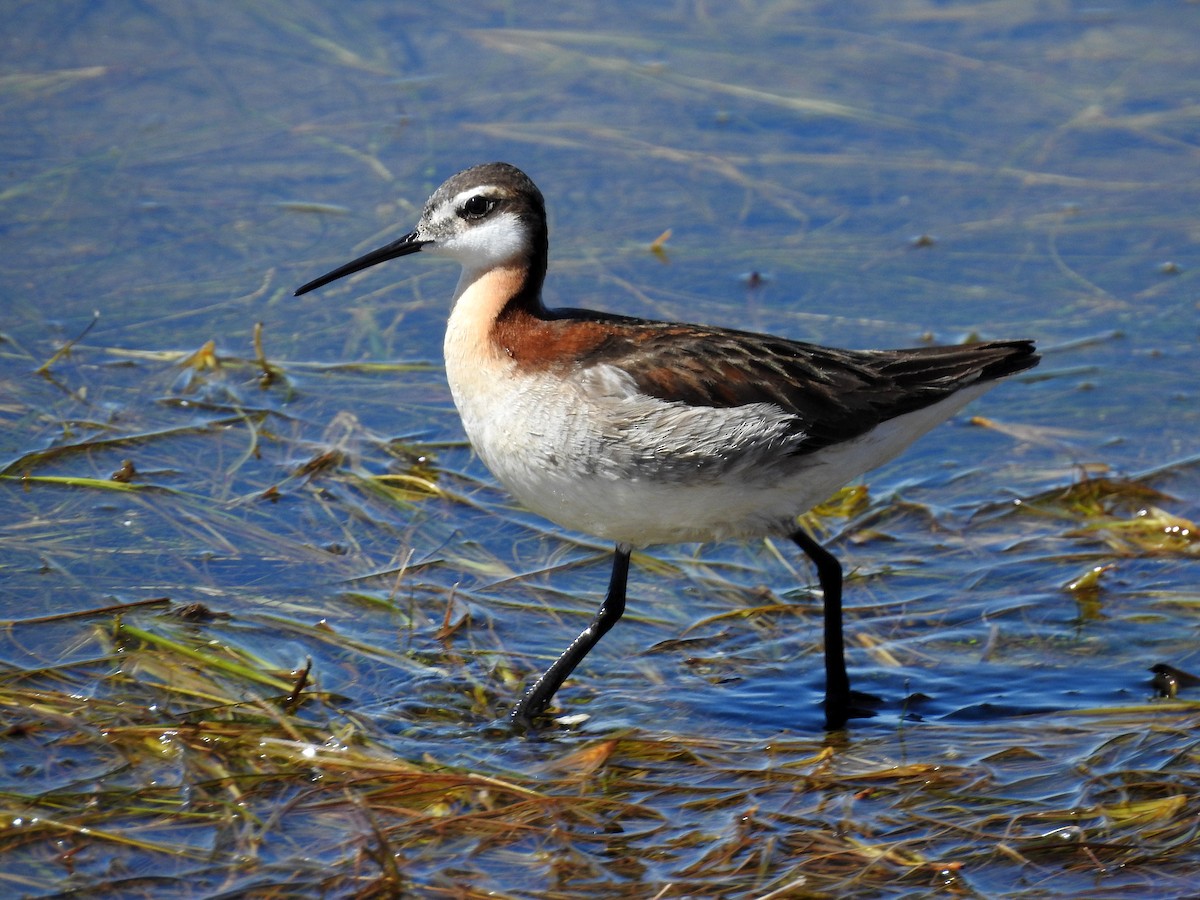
<point x="406" y="245"/>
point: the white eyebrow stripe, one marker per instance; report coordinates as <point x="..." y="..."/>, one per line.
<point x="487" y="190"/>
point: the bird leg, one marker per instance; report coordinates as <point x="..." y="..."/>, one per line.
<point x="837" y="682"/>
<point x="538" y="697"/>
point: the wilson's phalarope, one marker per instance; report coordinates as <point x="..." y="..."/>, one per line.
<point x="646" y="432"/>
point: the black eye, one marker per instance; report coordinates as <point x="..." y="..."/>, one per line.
<point x="477" y="207"/>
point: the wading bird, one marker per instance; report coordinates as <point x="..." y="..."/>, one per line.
<point x="644" y="432"/>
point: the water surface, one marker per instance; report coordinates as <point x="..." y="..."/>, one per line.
<point x="864" y="175"/>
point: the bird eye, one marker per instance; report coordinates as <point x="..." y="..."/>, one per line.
<point x="477" y="207"/>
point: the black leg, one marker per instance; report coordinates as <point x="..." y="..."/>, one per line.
<point x="538" y="697"/>
<point x="837" y="682"/>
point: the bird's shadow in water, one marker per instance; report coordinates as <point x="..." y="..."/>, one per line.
<point x="984" y="692"/>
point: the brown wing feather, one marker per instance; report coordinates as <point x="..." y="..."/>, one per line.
<point x="834" y="394"/>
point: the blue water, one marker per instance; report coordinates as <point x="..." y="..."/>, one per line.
<point x="845" y="173"/>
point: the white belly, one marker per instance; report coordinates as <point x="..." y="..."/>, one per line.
<point x="588" y="451"/>
<point x="592" y="455"/>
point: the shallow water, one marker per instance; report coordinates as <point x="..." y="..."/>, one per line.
<point x="848" y="174"/>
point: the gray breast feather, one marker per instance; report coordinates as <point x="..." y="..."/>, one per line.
<point x="636" y="436"/>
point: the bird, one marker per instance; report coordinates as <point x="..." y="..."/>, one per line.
<point x="643" y="432"/>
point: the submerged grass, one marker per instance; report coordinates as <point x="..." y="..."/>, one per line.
<point x="151" y="756"/>
<point x="264" y="616"/>
<point x="260" y="747"/>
